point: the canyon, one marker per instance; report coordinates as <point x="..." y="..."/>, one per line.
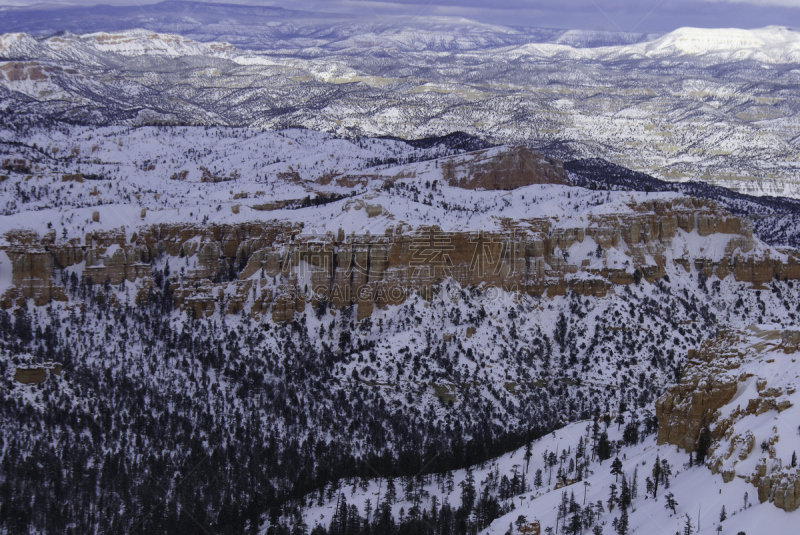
<point x="273" y="269"/>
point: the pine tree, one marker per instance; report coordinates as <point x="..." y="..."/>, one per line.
<point x="563" y="508"/>
<point x="612" y="498"/>
<point x="537" y="479"/>
<point x="687" y="527"/>
<point x="391" y="491"/>
<point x="575" y="524"/>
<point x="468" y="493"/>
<point x="573" y="504"/>
<point x="703" y="443"/>
<point x="616" y="468"/>
<point x="670" y="503"/>
<point x="656" y="476"/>
<point x="528" y="455"/>
<point x="723" y="514"/>
<point x="603" y="447"/>
<point x="624" y="493"/>
<point x="622" y="524"/>
<point x="666" y="471"/>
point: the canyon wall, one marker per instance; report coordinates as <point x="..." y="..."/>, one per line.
<point x="754" y="370"/>
<point x="275" y="269"/>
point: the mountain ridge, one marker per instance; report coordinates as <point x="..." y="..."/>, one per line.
<point x="729" y="122"/>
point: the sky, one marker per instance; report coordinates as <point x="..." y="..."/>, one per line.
<point x="613" y="15"/>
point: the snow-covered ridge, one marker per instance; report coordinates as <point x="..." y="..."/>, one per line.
<point x="131" y="43"/>
<point x="143" y="42"/>
<point x="768" y="45"/>
<point x="771" y="44"/>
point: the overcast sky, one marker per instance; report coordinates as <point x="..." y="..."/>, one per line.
<point x="626" y="15"/>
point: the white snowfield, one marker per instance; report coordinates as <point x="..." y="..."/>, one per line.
<point x="773" y="44"/>
<point x="155" y="175"/>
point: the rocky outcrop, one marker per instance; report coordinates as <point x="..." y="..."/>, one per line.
<point x="209" y="177"/>
<point x="735" y="369"/>
<point x="16" y="165"/>
<point x="782" y="489"/>
<point x="686" y="408"/>
<point x="32" y="267"/>
<point x="510" y="169"/>
<point x="276" y="268"/>
<point x="36" y="374"/>
<point x="790" y="338"/>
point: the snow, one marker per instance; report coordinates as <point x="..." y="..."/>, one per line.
<point x="699" y="493"/>
<point x="771" y="45"/>
<point x="137" y="178"/>
<point x="695" y="489"/>
<point x="261" y="167"/>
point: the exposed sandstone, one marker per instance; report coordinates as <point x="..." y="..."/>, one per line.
<point x="713" y="375"/>
<point x="510" y="169"/>
<point x="372" y="271"/>
<point x="692" y="404"/>
<point x="36" y="374"/>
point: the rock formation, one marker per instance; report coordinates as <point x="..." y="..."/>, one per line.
<point x="749" y="370"/>
<point x="509" y="169"/>
<point x="276" y="268"/>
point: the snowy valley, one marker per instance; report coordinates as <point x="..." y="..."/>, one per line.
<point x="282" y="273"/>
<point x="319" y="312"/>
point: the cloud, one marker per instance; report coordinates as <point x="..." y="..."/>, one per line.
<point x="615" y="15"/>
<point x="782" y="3"/>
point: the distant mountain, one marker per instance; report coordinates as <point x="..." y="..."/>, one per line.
<point x="264" y="28"/>
<point x="718" y="106"/>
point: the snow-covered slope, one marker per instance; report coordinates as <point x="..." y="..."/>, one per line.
<point x="756" y="443"/>
<point x="767" y="45"/>
<point x="202" y="296"/>
<point x="695" y="490"/>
